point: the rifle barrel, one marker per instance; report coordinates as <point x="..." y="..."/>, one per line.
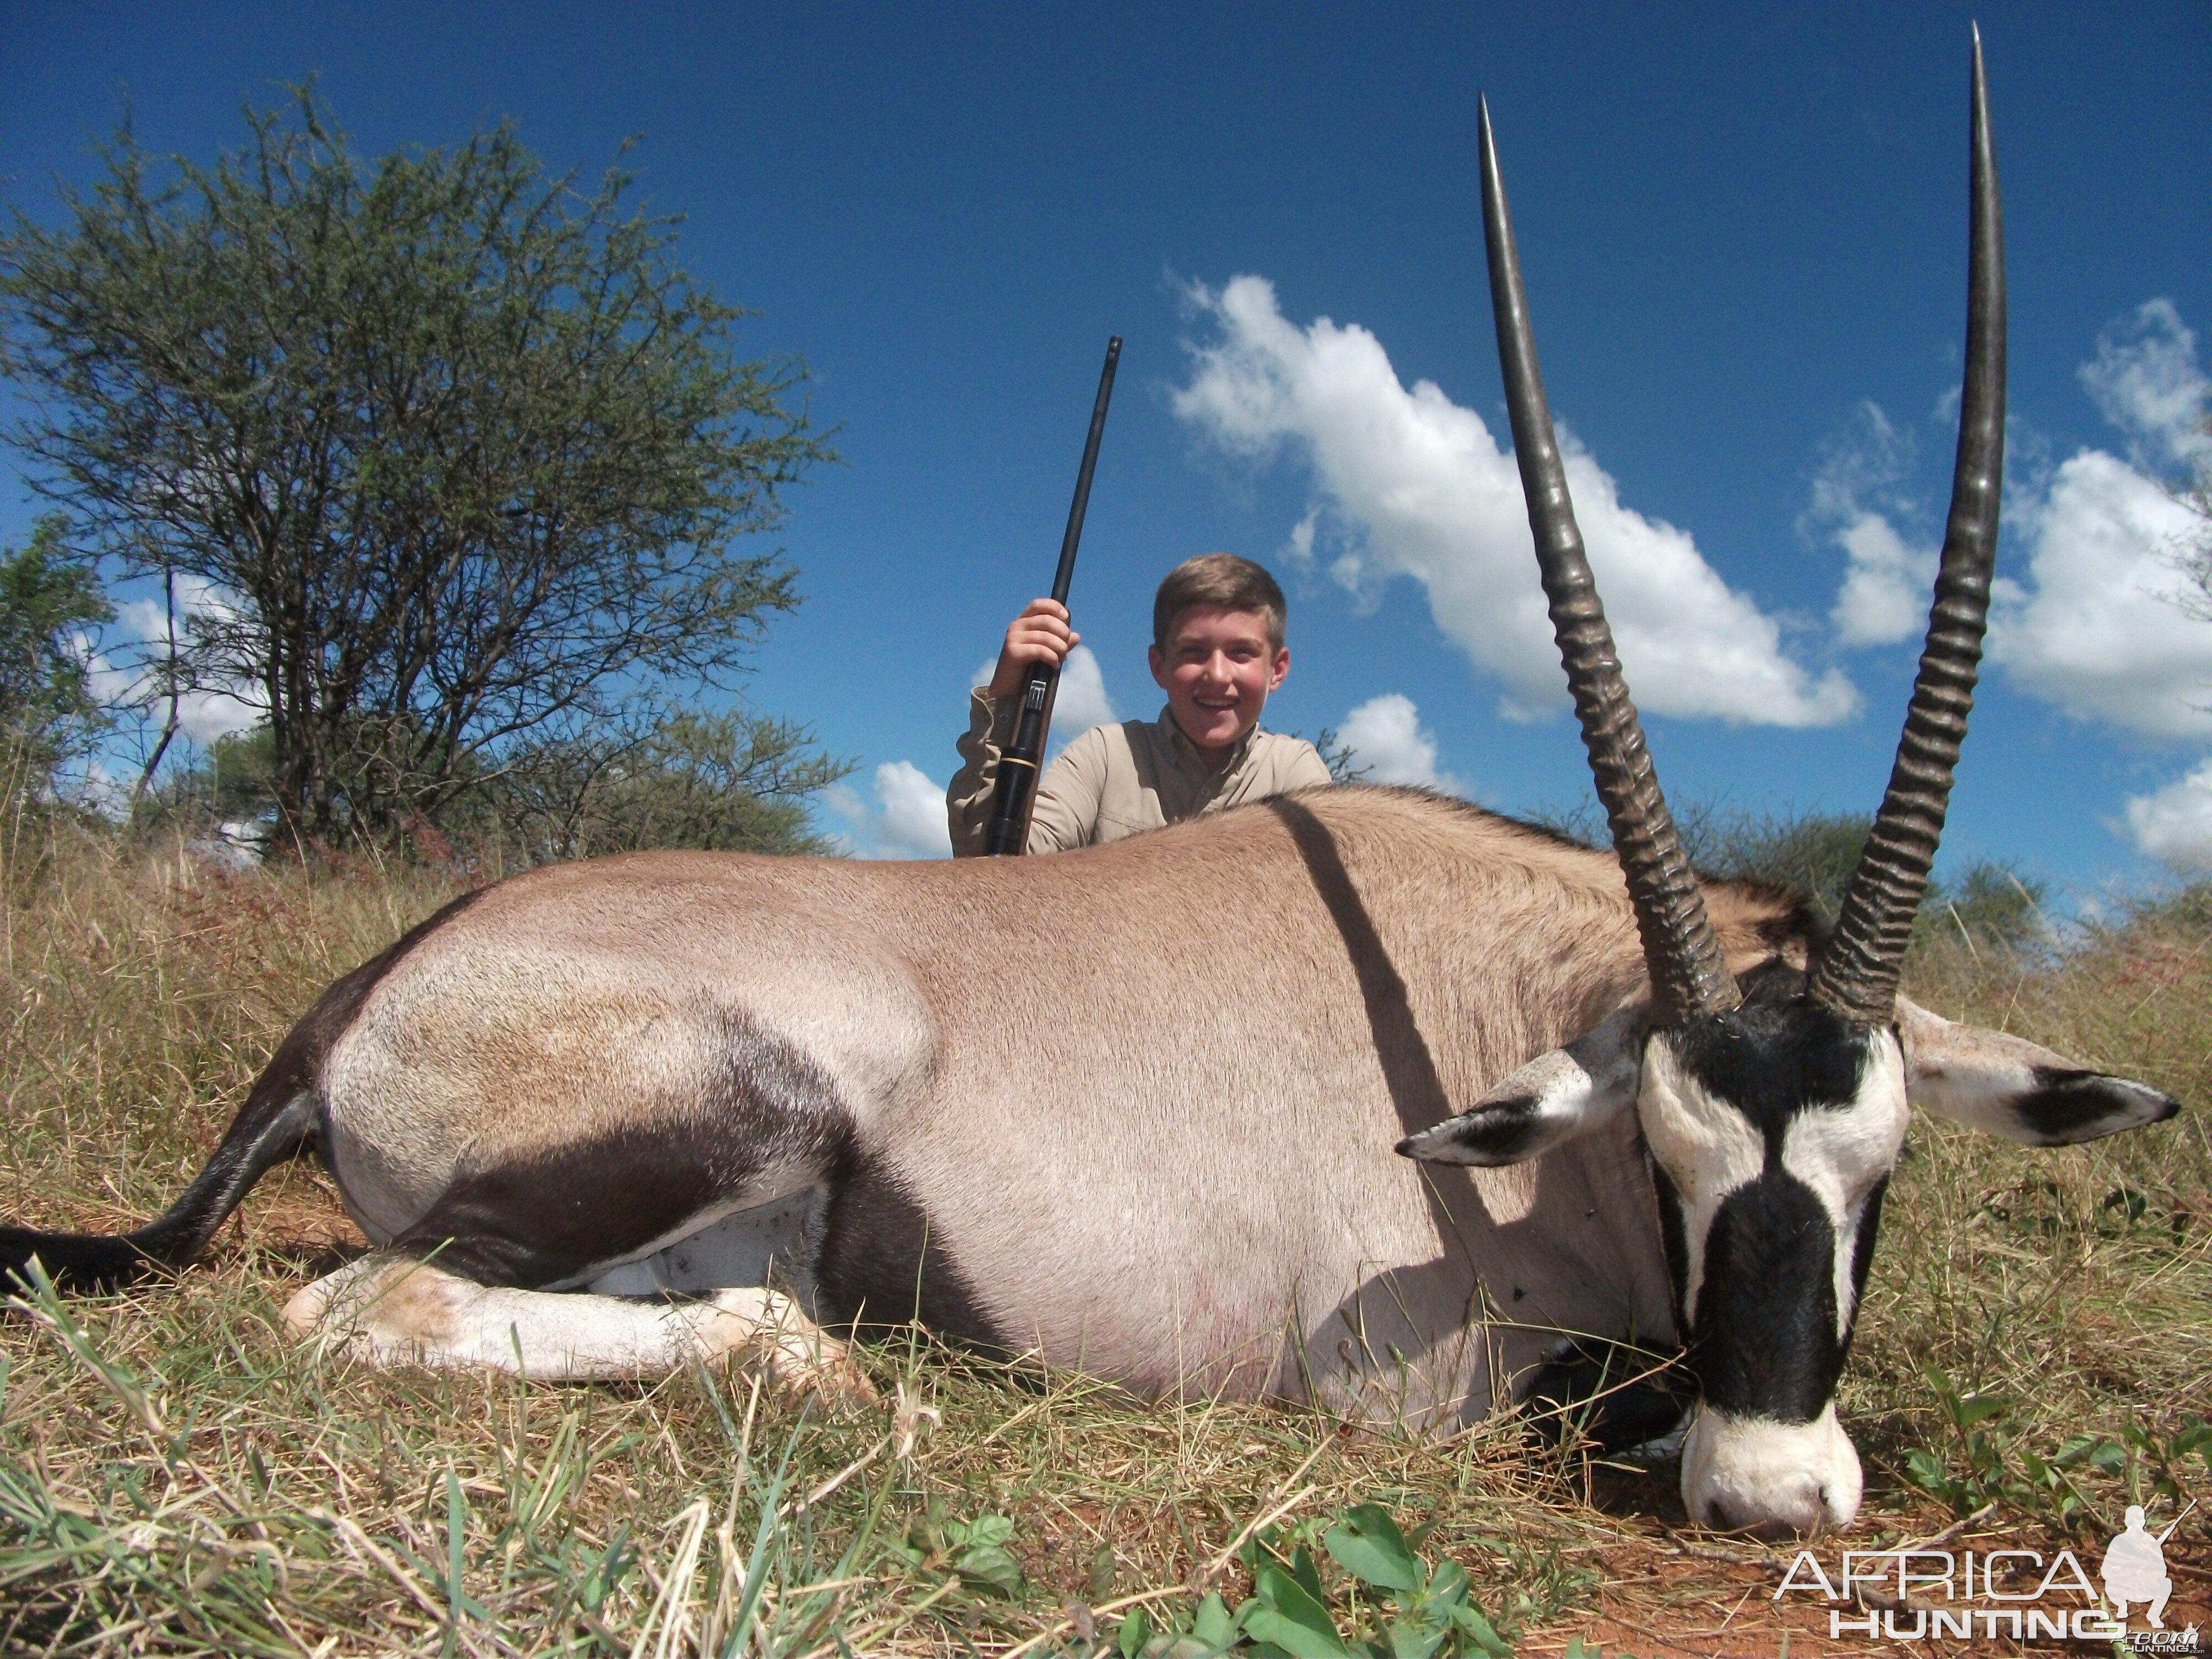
<point x="1015" y="797"/>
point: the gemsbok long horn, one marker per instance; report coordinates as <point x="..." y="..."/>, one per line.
<point x="1857" y="972"/>
<point x="1690" y="978"/>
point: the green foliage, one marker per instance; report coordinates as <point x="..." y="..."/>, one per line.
<point x="1990" y="1465"/>
<point x="51" y="602"/>
<point x="231" y="780"/>
<point x="1341" y="759"/>
<point x="1987" y="907"/>
<point x="728" y="782"/>
<point x="1394" y="1604"/>
<point x="231" y="1563"/>
<point x="973" y="1553"/>
<point x="455" y="453"/>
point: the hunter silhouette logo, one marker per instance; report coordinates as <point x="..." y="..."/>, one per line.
<point x="2135" y="1568"/>
<point x="1909" y="1595"/>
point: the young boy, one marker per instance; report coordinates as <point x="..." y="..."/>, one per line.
<point x="1217" y="650"/>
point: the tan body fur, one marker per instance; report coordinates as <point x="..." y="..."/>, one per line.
<point x="1146" y="1095"/>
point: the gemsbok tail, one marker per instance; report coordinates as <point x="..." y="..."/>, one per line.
<point x="278" y="1120"/>
<point x="281" y="1119"/>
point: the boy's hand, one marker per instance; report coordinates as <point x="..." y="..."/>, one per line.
<point x="1040" y="634"/>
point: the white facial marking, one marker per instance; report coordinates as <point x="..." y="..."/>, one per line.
<point x="1706" y="1146"/>
<point x="1840" y="1152"/>
<point x="1769" y="1477"/>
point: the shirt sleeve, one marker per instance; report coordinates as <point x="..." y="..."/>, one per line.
<point x="1064" y="812"/>
<point x="1303" y="768"/>
<point x="1068" y="798"/>
<point x="968" y="797"/>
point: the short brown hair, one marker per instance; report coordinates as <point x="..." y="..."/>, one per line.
<point x="1223" y="580"/>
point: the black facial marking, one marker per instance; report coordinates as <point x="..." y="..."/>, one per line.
<point x="1764" y="1341"/>
<point x="883" y="1263"/>
<point x="2068" y="1106"/>
<point x="1763" y="1336"/>
<point x="544" y="1219"/>
<point x="1863" y="1254"/>
<point x="1776" y="1055"/>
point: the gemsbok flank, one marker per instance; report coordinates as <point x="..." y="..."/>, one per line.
<point x="577" y="1113"/>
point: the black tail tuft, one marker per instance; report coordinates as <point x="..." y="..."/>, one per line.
<point x="278" y="1120"/>
<point x="74" y="1262"/>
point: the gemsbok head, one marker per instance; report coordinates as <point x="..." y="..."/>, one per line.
<point x="1773" y="1107"/>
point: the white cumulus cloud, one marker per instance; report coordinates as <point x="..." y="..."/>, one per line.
<point x="2092" y="623"/>
<point x="905" y="818"/>
<point x="1081" y="703"/>
<point x="1886" y="583"/>
<point x="2096" y="628"/>
<point x="2145" y="380"/>
<point x="1887" y="579"/>
<point x="1384" y="735"/>
<point x="202" y="715"/>
<point x="1407" y="483"/>
<point x="2174" y="824"/>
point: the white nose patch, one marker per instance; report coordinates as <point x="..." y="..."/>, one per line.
<point x="1754" y="1474"/>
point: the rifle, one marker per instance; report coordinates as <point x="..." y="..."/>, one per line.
<point x="1018" y="763"/>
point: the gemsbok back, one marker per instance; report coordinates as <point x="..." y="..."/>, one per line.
<point x="579" y="1112"/>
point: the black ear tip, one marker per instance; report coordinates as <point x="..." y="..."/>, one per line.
<point x="2068" y="1107"/>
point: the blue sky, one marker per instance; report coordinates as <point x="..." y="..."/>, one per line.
<point x="1743" y="229"/>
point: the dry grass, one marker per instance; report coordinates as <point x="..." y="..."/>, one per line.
<point x="175" y="1477"/>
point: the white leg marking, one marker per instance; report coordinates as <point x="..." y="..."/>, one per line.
<point x="384" y="1310"/>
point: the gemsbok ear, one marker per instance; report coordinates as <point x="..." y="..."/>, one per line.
<point x="1554" y="1097"/>
<point x="2015" y="1088"/>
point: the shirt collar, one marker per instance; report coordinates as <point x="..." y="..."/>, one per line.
<point x="1184" y="750"/>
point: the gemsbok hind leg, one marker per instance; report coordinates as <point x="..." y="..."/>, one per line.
<point x="389" y="1310"/>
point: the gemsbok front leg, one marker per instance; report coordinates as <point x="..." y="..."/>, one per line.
<point x="391" y="1309"/>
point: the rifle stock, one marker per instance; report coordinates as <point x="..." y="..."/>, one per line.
<point x="1015" y="796"/>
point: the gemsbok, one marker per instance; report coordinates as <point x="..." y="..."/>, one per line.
<point x="578" y="1112"/>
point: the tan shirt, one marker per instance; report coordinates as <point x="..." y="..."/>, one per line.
<point x="1115" y="780"/>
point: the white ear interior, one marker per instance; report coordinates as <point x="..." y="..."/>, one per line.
<point x="2009" y="1086"/>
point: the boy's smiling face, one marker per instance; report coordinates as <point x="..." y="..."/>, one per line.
<point x="1218" y="668"/>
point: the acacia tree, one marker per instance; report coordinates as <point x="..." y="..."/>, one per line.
<point x="51" y="602"/>
<point x="459" y="455"/>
